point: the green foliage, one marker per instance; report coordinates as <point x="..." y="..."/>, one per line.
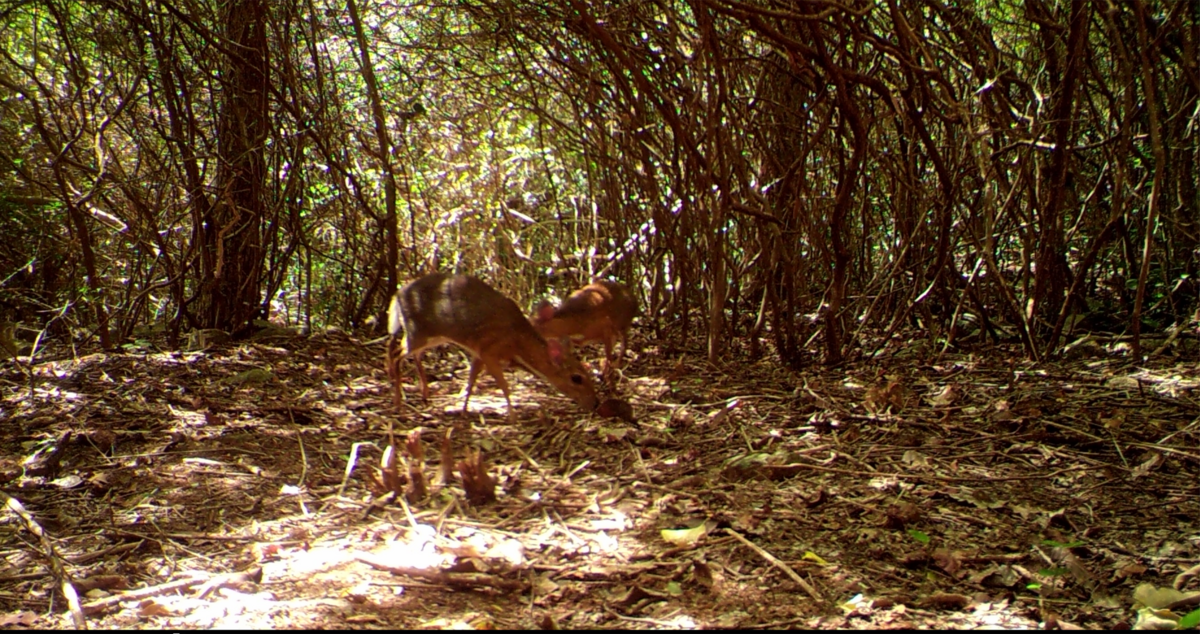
<point x="530" y="140"/>
<point x="1054" y="544"/>
<point x="1190" y="621"/>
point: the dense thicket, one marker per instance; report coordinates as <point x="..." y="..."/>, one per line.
<point x="1008" y="170"/>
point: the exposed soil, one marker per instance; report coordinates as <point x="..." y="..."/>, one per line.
<point x="210" y="489"/>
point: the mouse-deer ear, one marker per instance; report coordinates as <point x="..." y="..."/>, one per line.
<point x="555" y="348"/>
<point x="544" y="311"/>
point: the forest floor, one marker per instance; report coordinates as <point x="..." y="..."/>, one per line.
<point x="240" y="487"/>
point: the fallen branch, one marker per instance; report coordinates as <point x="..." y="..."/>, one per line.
<point x="454" y="579"/>
<point x="207" y="585"/>
<point x="51" y="555"/>
<point x="812" y="592"/>
<point x="136" y="595"/>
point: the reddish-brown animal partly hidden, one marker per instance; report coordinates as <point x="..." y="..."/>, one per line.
<point x="461" y="309"/>
<point x="600" y="311"/>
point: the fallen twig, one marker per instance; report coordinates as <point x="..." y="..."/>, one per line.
<point x="812" y="592"/>
<point x="458" y="579"/>
<point x="143" y="593"/>
<point x="56" y="564"/>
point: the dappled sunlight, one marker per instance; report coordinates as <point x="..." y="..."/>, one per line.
<point x="750" y="504"/>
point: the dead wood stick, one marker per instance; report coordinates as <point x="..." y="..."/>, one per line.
<point x="253" y="575"/>
<point x="795" y="467"/>
<point x="207" y="583"/>
<point x="51" y="555"/>
<point x="350" y="465"/>
<point x="812" y="592"/>
<point x="182" y="536"/>
<point x="461" y="579"/>
<point x="141" y="593"/>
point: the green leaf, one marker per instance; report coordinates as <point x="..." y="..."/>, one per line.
<point x="1053" y="572"/>
<point x="1189" y="620"/>
<point x="1054" y="544"/>
<point x="918" y="535"/>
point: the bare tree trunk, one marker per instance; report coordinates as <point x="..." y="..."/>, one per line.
<point x="391" y="224"/>
<point x="718" y="290"/>
<point x="1053" y="274"/>
<point x="844" y="198"/>
<point x="232" y="232"/>
<point x="89" y="266"/>
<point x="1150" y="89"/>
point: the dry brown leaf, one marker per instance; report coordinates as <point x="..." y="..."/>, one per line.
<point x="151" y="607"/>
<point x="946" y="601"/>
<point x="947" y="561"/>
<point x="1149" y="464"/>
<point x="948" y="396"/>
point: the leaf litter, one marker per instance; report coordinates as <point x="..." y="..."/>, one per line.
<point x="246" y="486"/>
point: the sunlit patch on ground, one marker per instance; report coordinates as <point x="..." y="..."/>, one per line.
<point x="216" y="490"/>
